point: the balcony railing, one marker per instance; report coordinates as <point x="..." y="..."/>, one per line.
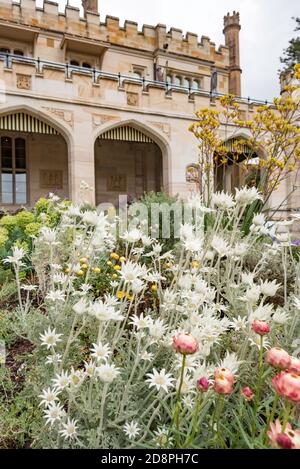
<point x="96" y="75"/>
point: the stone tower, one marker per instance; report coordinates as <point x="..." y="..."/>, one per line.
<point x="90" y="6"/>
<point x="232" y="40"/>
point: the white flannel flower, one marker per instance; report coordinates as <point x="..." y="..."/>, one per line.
<point x="76" y="377"/>
<point x="81" y="307"/>
<point x="280" y="317"/>
<point x="239" y="323"/>
<point x="48" y="235"/>
<point x="49" y="397"/>
<point x="55" y="295"/>
<point x="157" y="329"/>
<point x="132" y="430"/>
<point x="17" y="256"/>
<point x="220" y="245"/>
<point x="255" y="341"/>
<point x="147" y="356"/>
<point x="53" y="414"/>
<point x="252" y="295"/>
<point x="105" y="312"/>
<point x="100" y="351"/>
<point x="50" y="338"/>
<point x="107" y="373"/>
<point x="223" y="200"/>
<point x="246" y="196"/>
<point x="160" y="380"/>
<point x="69" y="430"/>
<point x="61" y="381"/>
<point x="90" y="369"/>
<point x="130" y="272"/>
<point x="259" y="220"/>
<point x="140" y="322"/>
<point x="132" y="236"/>
<point x="231" y="362"/>
<point x="269" y="289"/>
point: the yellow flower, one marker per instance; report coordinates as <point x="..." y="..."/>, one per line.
<point x="114" y="276"/>
<point x="83" y="260"/>
<point x="121" y="294"/>
<point x="195" y="265"/>
<point x="80" y="273"/>
<point x="117" y="267"/>
<point x="84" y="266"/>
<point x="122" y="259"/>
<point x="109" y="263"/>
<point x="154" y="288"/>
<point x="115" y="256"/>
<point x="96" y="270"/>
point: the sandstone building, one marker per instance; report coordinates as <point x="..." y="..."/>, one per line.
<point x="83" y="99"/>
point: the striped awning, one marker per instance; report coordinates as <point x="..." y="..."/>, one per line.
<point x="235" y="145"/>
<point x="22" y="122"/>
<point x="126" y="133"/>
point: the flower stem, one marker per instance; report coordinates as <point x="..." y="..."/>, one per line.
<point x="286" y="416"/>
<point x="178" y="403"/>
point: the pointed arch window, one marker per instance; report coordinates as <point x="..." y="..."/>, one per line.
<point x="13" y="170"/>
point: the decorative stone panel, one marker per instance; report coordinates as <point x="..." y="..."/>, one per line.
<point x="23" y="81"/>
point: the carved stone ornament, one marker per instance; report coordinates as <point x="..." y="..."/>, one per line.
<point x="165" y="128"/>
<point x="23" y="81"/>
<point x="62" y="114"/>
<point x="101" y="119"/>
<point x="132" y="99"/>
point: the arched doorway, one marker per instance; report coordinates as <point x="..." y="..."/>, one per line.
<point x="127" y="161"/>
<point x="235" y="166"/>
<point x="33" y="160"/>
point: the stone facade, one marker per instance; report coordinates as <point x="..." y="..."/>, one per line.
<point x="83" y="77"/>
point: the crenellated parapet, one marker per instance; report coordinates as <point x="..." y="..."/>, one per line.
<point x="148" y="39"/>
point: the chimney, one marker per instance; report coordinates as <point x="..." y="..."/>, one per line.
<point x="232" y="40"/>
<point x="90" y="6"/>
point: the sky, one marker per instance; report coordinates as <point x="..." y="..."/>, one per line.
<point x="267" y="27"/>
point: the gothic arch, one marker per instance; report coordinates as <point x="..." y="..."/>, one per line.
<point x="158" y="138"/>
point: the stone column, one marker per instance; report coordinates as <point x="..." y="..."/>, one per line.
<point x="82" y="160"/>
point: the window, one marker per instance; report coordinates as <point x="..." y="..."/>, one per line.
<point x="137" y="74"/>
<point x="86" y="65"/>
<point x="177" y="81"/>
<point x="169" y="79"/>
<point x="13" y="182"/>
<point x="196" y="85"/>
<point x="74" y="63"/>
<point x="186" y="83"/>
<point x="19" y="52"/>
<point x="4" y="50"/>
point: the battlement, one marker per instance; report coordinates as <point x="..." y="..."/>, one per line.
<point x="231" y="20"/>
<point x="149" y="39"/>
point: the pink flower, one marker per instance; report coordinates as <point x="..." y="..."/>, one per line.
<point x="287" y="385"/>
<point x="284" y="441"/>
<point x="278" y="358"/>
<point x="203" y="384"/>
<point x="260" y="327"/>
<point x="224" y="373"/>
<point x="185" y="344"/>
<point x="248" y="394"/>
<point x="294" y="365"/>
<point x="224" y="380"/>
<point x="289" y="439"/>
